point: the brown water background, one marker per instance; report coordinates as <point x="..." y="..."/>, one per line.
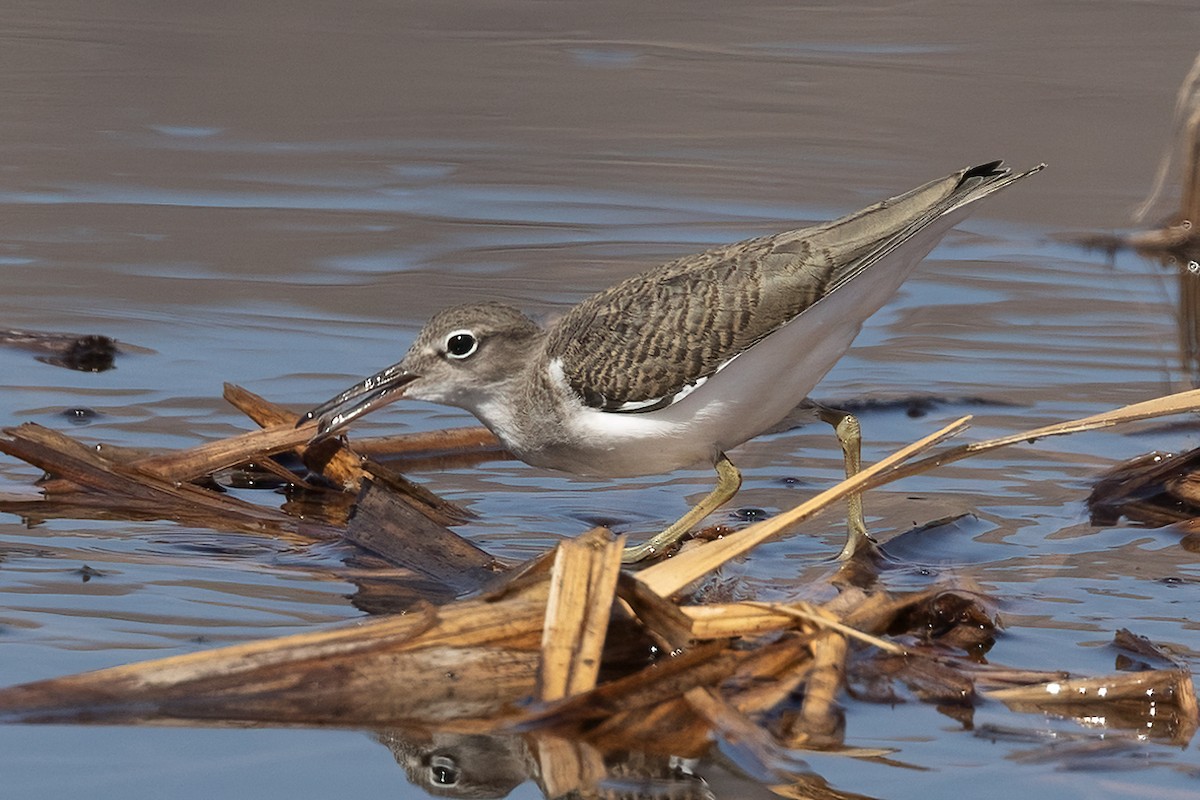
<point x="278" y="194"/>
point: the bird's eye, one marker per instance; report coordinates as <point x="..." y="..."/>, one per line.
<point x="444" y="771"/>
<point x="461" y="344"/>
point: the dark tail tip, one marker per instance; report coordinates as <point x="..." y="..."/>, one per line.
<point x="992" y="169"/>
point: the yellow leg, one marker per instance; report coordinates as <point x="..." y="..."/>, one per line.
<point x="729" y="480"/>
<point x="849" y="434"/>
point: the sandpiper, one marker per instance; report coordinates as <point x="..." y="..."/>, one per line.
<point x="679" y="364"/>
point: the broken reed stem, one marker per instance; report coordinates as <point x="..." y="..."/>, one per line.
<point x="1158" y="407"/>
<point x="583" y="584"/>
<point x="1190" y="203"/>
<point x="1167" y="686"/>
<point x="206" y="458"/>
<point x="1187" y="98"/>
<point x="817" y="616"/>
<point x="670" y="576"/>
<point x="817" y="722"/>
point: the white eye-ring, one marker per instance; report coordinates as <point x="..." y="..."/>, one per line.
<point x="461" y="344"/>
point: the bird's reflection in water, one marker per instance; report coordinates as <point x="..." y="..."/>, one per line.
<point x="470" y="765"/>
<point x="460" y="765"/>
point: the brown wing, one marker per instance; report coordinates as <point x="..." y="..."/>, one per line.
<point x="651" y="336"/>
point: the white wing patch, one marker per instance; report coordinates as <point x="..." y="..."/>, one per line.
<point x="559" y="376"/>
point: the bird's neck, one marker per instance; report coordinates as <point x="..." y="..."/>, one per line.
<point x="528" y="410"/>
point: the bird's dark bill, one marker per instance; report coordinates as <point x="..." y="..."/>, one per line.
<point x="378" y="390"/>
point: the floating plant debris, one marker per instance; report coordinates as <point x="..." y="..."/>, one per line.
<point x="591" y="672"/>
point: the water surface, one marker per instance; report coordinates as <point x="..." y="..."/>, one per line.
<point x="278" y="195"/>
